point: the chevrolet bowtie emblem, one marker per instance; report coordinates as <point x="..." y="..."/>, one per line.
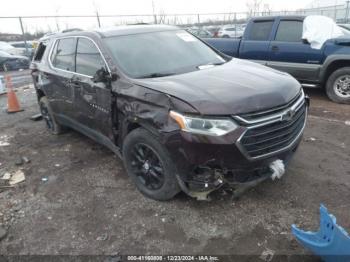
<point x="288" y="115"/>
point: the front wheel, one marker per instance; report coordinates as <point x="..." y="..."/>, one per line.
<point x="148" y="164"/>
<point x="338" y="86"/>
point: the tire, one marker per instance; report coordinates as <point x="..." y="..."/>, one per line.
<point x="149" y="165"/>
<point x="333" y="86"/>
<point x="52" y="125"/>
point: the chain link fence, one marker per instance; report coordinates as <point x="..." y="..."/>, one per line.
<point x="26" y="27"/>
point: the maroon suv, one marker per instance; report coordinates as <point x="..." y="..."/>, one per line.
<point x="182" y="115"/>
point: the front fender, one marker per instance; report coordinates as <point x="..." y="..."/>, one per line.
<point x="140" y="106"/>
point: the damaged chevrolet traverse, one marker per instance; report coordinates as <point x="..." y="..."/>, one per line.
<point x="180" y="114"/>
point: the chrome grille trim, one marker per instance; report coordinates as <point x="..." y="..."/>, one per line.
<point x="273" y="117"/>
<point x="287" y="133"/>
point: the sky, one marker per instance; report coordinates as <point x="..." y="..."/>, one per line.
<point x="117" y="7"/>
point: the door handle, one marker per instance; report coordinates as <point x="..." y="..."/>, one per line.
<point x="75" y="82"/>
<point x="275" y="48"/>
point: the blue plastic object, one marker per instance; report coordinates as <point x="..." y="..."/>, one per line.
<point x="331" y="242"/>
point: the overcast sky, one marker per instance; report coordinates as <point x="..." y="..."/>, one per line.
<point x="111" y="7"/>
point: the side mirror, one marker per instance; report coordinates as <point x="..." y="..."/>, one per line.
<point x="102" y="75"/>
<point x="305" y="41"/>
<point x="114" y="77"/>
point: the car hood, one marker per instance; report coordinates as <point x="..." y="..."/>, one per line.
<point x="235" y="87"/>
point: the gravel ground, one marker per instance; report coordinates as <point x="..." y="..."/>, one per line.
<point x="77" y="198"/>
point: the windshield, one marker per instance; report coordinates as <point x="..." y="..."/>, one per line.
<point x="161" y="53"/>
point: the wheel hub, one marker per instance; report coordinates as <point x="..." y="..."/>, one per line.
<point x="147" y="166"/>
<point x="342" y="86"/>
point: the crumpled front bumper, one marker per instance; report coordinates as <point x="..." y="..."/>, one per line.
<point x="205" y="166"/>
<point x="239" y="158"/>
<point x="331" y="242"/>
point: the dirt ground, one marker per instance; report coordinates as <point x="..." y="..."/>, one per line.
<point x="77" y="198"/>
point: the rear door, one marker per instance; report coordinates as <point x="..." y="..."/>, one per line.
<point x="61" y="94"/>
<point x="289" y="53"/>
<point x="256" y="41"/>
<point x="93" y="100"/>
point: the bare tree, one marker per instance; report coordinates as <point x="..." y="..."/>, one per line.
<point x="161" y="17"/>
<point x="267" y="9"/>
<point x="254" y="7"/>
<point x="154" y="12"/>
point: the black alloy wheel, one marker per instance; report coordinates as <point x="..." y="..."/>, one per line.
<point x="147" y="166"/>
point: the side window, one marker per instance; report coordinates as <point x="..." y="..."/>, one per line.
<point x="260" y="30"/>
<point x="289" y="31"/>
<point x="63" y="56"/>
<point x="88" y="59"/>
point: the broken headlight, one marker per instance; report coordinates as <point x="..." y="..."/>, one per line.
<point x="205" y="126"/>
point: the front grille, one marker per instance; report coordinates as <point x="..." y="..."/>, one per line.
<point x="273" y="132"/>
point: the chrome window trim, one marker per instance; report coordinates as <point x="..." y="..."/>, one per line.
<point x="275" y="117"/>
<point x="75" y="73"/>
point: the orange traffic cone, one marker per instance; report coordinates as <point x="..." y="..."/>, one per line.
<point x="12" y="101"/>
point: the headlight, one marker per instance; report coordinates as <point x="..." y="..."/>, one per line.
<point x="205" y="126"/>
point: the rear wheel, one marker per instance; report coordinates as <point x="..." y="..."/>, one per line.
<point x="338" y="86"/>
<point x="149" y="165"/>
<point x="50" y="121"/>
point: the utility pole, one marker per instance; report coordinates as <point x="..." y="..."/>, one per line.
<point x="154" y="12"/>
<point x="24" y="36"/>
<point x="335" y="10"/>
<point x="97" y="15"/>
<point x="98" y="19"/>
<point x="347" y="11"/>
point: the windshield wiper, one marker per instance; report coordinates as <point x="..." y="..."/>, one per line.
<point x="153" y="75"/>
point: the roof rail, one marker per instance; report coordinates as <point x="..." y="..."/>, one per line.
<point x="71" y="30"/>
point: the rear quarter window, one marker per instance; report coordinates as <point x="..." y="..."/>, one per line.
<point x="40" y="51"/>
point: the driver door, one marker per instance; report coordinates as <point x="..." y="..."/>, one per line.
<point x="92" y="100"/>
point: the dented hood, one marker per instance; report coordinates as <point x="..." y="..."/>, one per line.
<point x="232" y="88"/>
